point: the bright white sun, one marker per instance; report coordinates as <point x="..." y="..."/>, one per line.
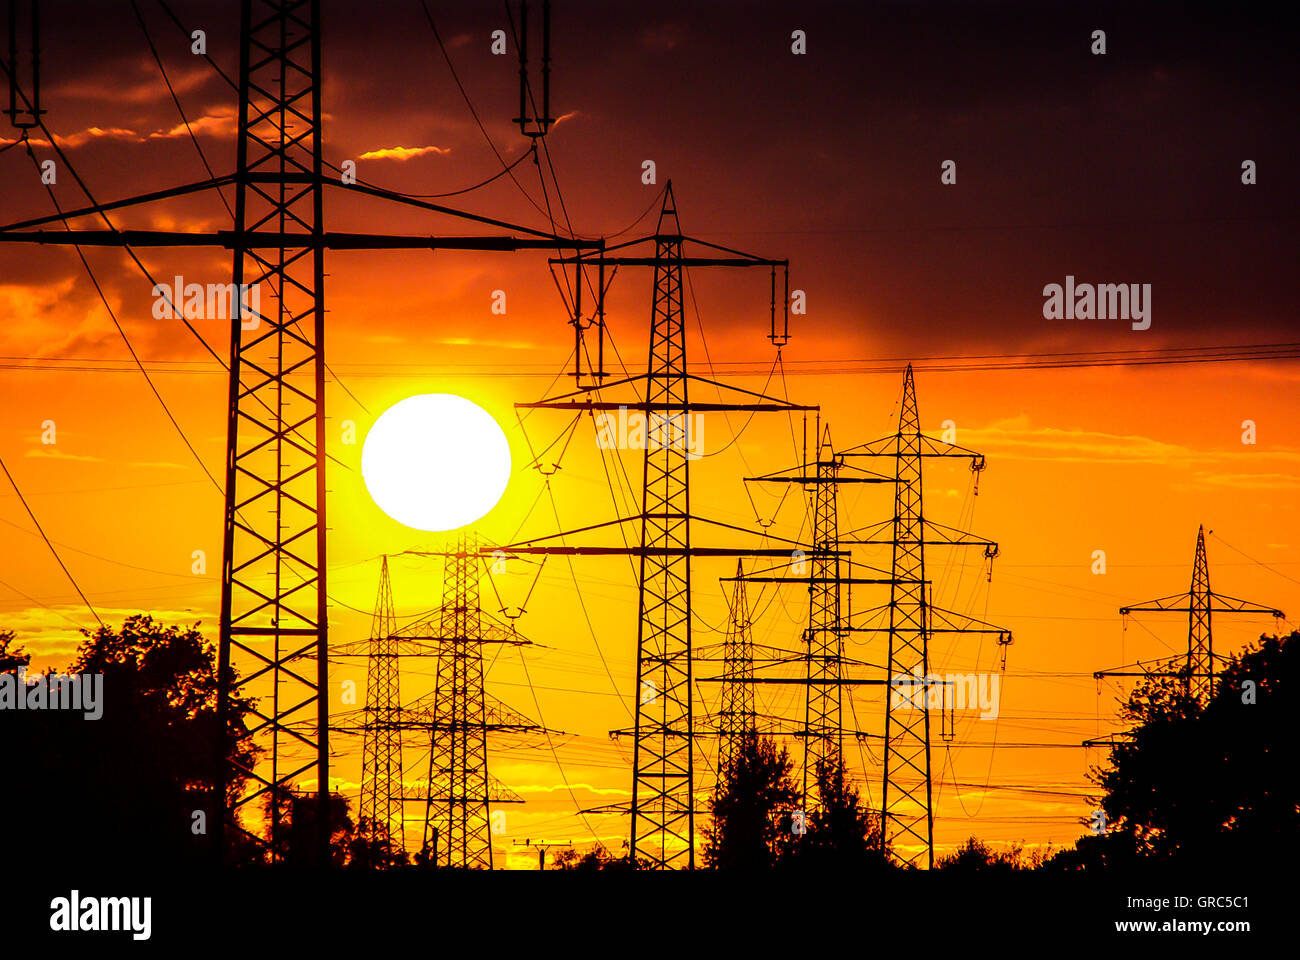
<point x="435" y="461"/>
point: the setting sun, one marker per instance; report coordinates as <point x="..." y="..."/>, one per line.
<point x="436" y="461"/>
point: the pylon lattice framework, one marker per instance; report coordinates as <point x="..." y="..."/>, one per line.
<point x="458" y="716"/>
<point x="823" y="639"/>
<point x="380" y="818"/>
<point x="907" y="795"/>
<point x="663" y="803"/>
<point x="738" y="712"/>
<point x="455" y="718"/>
<point x="1200" y="603"/>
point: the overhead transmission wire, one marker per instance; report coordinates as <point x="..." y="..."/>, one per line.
<point x="119" y="563"/>
<point x="507" y="169"/>
<point x="1252" y="559"/>
<point x="568" y="296"/>
<point x="41" y="530"/>
<point x="39" y="603"/>
<point x="516" y="370"/>
<point x="50" y="138"/>
<point x="537" y="705"/>
<point x="122" y="333"/>
<point x="131" y="253"/>
<point x="139" y="264"/>
<point x="135" y="8"/>
<point x="591" y="628"/>
<point x="470" y="104"/>
<point x="412" y="196"/>
<point x="551" y="218"/>
<point x="208" y="167"/>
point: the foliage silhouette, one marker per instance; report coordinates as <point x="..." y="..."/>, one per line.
<point x="129" y="786"/>
<point x="380" y="852"/>
<point x="750" y="808"/>
<point x="1205" y="784"/>
<point x="296" y="839"/>
<point x="977" y="856"/>
<point x="12" y="657"/>
<point x="840" y="832"/>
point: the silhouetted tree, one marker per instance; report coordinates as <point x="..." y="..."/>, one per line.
<point x="426" y="857"/>
<point x="374" y="853"/>
<point x="12" y="656"/>
<point x="594" y="859"/>
<point x="1204" y="783"/>
<point x="977" y="856"/>
<point x="137" y="784"/>
<point x="841" y="833"/>
<point x="298" y="814"/>
<point x="746" y="830"/>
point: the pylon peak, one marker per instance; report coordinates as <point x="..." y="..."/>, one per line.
<point x="668" y="214"/>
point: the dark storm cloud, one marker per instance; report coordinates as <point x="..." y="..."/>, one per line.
<point x="1123" y="168"/>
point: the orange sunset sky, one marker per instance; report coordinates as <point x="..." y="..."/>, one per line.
<point x="1123" y="168"/>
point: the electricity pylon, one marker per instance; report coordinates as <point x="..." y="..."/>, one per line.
<point x="663" y="779"/>
<point x="454" y="719"/>
<point x="274" y="600"/>
<point x="907" y="796"/>
<point x="380" y="815"/>
<point x="828" y="580"/>
<point x="1198" y="668"/>
<point x="738" y="715"/>
<point x="458" y="716"/>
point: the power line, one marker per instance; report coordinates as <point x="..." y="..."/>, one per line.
<point x="474" y="112"/>
<point x="125" y="339"/>
<point x="739" y="367"/>
<point x="48" y="543"/>
<point x="1260" y="563"/>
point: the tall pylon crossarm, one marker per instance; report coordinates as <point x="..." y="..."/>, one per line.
<point x="1198" y="668"/>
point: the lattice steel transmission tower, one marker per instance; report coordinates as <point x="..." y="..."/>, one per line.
<point x="663" y="783"/>
<point x="830" y="575"/>
<point x="738" y="714"/>
<point x="1198" y="669"/>
<point x="380" y="814"/>
<point x="273" y="635"/>
<point x="454" y="719"/>
<point x="907" y="799"/>
<point x="663" y="778"/>
<point x="823" y="706"/>
<point x="274" y="609"/>
<point x="458" y="716"/>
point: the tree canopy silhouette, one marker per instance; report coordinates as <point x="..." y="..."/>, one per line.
<point x="977" y="856"/>
<point x="1204" y="783"/>
<point x="126" y="787"/>
<point x="841" y="833"/>
<point x="746" y="830"/>
<point x="298" y="813"/>
<point x="373" y="849"/>
<point x="12" y="656"/>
